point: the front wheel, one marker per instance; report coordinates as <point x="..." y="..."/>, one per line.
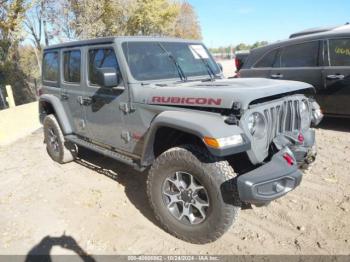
<point x="187" y="189"/>
<point x="57" y="148"/>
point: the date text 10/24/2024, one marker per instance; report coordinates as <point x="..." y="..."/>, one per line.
<point x="173" y="258"/>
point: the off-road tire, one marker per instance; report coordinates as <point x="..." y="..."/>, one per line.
<point x="66" y="151"/>
<point x="214" y="174"/>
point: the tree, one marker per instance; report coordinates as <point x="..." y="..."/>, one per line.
<point x="153" y="17"/>
<point x="36" y="26"/>
<point x="62" y="20"/>
<point x="12" y="13"/>
<point x="242" y="46"/>
<point x="11" y="17"/>
<point x="259" y="44"/>
<point x="28" y="62"/>
<point x="187" y="25"/>
<point x="36" y="23"/>
<point x="82" y="19"/>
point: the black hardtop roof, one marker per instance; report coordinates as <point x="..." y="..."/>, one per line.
<point x="257" y="53"/>
<point x="114" y="39"/>
<point x="310" y="31"/>
<point x="335" y="32"/>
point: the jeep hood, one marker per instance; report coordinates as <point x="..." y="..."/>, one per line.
<point x="221" y="93"/>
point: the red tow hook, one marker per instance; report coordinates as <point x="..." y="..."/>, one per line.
<point x="289" y="159"/>
<point x="300" y="138"/>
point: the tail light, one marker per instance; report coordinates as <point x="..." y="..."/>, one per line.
<point x="238" y="63"/>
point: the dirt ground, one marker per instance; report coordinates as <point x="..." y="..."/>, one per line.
<point x="100" y="206"/>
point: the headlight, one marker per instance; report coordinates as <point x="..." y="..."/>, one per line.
<point x="317" y="114"/>
<point x="223" y="141"/>
<point x="256" y="125"/>
<point x="304" y="115"/>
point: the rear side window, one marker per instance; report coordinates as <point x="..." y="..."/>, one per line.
<point x="339" y="52"/>
<point x="301" y="55"/>
<point x="50" y="67"/>
<point x="99" y="58"/>
<point x="71" y="66"/>
<point x="267" y="60"/>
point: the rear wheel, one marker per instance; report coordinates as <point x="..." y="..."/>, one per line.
<point x="59" y="150"/>
<point x="192" y="194"/>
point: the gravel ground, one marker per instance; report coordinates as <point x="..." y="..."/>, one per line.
<point x="98" y="205"/>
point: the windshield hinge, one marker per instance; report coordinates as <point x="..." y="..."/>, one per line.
<point x="124" y="107"/>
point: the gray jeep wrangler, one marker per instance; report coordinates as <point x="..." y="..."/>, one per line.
<point x="210" y="145"/>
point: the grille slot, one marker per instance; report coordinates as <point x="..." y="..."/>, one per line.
<point x="281" y="118"/>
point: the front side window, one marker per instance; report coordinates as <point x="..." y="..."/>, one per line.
<point x="71" y="66"/>
<point x="300" y="55"/>
<point x="100" y="58"/>
<point x="268" y="60"/>
<point x="151" y="61"/>
<point x="339" y="52"/>
<point x="50" y="67"/>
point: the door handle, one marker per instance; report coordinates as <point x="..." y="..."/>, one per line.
<point x="277" y="76"/>
<point x="84" y="101"/>
<point x="64" y="96"/>
<point x="80" y="100"/>
<point x="87" y="101"/>
<point x="335" y="77"/>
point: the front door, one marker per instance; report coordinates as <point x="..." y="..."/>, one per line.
<point x="299" y="62"/>
<point x="104" y="107"/>
<point x="336" y="77"/>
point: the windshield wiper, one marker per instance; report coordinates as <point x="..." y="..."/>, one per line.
<point x="181" y="73"/>
<point x="210" y="71"/>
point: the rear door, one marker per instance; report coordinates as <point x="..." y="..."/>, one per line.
<point x="336" y="77"/>
<point x="299" y="62"/>
<point x="51" y="72"/>
<point x="72" y="88"/>
<point x="105" y="107"/>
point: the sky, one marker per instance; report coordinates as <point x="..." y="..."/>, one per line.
<point x="230" y="22"/>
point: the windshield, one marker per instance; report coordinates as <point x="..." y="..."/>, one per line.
<point x="148" y="61"/>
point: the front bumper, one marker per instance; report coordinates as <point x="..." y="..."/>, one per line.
<point x="304" y="151"/>
<point x="305" y="156"/>
<point x="271" y="180"/>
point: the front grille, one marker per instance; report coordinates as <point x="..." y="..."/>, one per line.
<point x="281" y="118"/>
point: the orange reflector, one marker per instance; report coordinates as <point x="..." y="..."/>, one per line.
<point x="212" y="142"/>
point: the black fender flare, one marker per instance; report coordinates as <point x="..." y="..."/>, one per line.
<point x="199" y="124"/>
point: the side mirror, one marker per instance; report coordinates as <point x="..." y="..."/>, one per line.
<point x="220" y="66"/>
<point x="108" y="77"/>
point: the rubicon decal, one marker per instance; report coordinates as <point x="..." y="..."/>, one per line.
<point x="186" y="100"/>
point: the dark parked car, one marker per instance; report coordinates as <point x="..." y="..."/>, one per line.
<point x="240" y="58"/>
<point x="320" y="57"/>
